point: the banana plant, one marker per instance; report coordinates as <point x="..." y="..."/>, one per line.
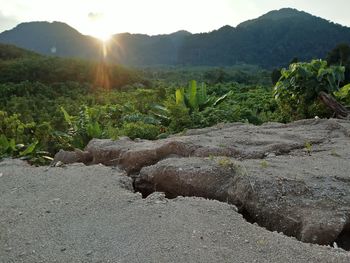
<point x="196" y="97"/>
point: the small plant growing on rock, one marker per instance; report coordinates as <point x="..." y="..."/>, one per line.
<point x="226" y="162"/>
<point x="308" y="147"/>
<point x="334" y="153"/>
<point x="264" y="164"/>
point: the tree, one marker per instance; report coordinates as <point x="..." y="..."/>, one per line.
<point x="275" y="75"/>
<point x="302" y="84"/>
<point x="340" y="55"/>
<point x="294" y="60"/>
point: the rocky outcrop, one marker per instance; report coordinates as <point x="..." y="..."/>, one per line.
<point x="133" y="155"/>
<point x="237" y="140"/>
<point x="76" y="156"/>
<point x="315" y="209"/>
<point x="192" y="176"/>
<point x="292" y="178"/>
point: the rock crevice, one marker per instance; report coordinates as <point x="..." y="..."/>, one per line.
<point x="292" y="178"/>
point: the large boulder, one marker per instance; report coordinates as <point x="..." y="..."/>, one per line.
<point x="291" y="195"/>
<point x="192" y="176"/>
<point x="133" y="155"/>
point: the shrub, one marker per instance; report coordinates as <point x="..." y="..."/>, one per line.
<point x="299" y="86"/>
<point x="140" y="130"/>
<point x="179" y="116"/>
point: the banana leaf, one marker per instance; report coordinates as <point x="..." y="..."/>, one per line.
<point x="192" y="95"/>
<point x="222" y="98"/>
<point x="30" y="149"/>
<point x="180" y="96"/>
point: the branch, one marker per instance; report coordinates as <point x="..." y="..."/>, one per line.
<point x="340" y="111"/>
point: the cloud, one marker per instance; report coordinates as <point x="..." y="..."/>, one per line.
<point x="7" y="22"/>
<point x="95" y="16"/>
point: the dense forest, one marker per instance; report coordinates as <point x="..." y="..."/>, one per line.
<point x="271" y="40"/>
<point x="52" y="103"/>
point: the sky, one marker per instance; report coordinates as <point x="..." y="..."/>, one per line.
<point x="101" y="18"/>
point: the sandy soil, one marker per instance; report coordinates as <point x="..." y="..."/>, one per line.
<point x="83" y="213"/>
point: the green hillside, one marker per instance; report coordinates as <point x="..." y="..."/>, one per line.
<point x="10" y="52"/>
<point x="271" y="40"/>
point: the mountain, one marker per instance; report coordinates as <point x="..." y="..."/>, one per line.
<point x="271" y="40"/>
<point x="52" y="39"/>
<point x="147" y="50"/>
<point x="277" y="15"/>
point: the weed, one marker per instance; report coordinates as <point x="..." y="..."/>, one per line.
<point x="226" y="162"/>
<point x="308" y="147"/>
<point x="264" y="164"/>
<point x="183" y="132"/>
<point x="334" y="153"/>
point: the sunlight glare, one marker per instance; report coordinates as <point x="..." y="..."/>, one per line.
<point x="103" y="36"/>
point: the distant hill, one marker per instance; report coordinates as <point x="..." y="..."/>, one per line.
<point x="55" y="38"/>
<point x="10" y="52"/>
<point x="18" y="65"/>
<point x="271" y="40"/>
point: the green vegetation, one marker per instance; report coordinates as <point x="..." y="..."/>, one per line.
<point x="227" y="163"/>
<point x="264" y="164"/>
<point x="300" y="85"/>
<point x="49" y="103"/>
<point x="340" y="55"/>
<point x="197" y="99"/>
<point x="308" y="147"/>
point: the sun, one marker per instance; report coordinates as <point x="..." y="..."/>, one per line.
<point x="103" y="36"/>
<point x="101" y="28"/>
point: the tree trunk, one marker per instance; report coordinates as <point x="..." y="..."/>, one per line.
<point x="340" y="111"/>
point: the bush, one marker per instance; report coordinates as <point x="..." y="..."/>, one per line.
<point x="140" y="130"/>
<point x="299" y="86"/>
<point x="179" y="116"/>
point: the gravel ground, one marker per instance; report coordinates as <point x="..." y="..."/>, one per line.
<point x="90" y="214"/>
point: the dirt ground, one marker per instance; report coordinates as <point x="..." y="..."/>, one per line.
<point x="80" y="213"/>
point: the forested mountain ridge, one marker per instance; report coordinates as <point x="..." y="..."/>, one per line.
<point x="55" y="38"/>
<point x="10" y="52"/>
<point x="271" y="40"/>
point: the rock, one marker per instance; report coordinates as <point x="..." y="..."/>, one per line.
<point x="194" y="176"/>
<point x="315" y="208"/>
<point x="305" y="194"/>
<point x="133" y="155"/>
<point x="67" y="157"/>
<point x="270" y="155"/>
<point x="236" y="140"/>
<point x="13" y="162"/>
<point x="288" y="195"/>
